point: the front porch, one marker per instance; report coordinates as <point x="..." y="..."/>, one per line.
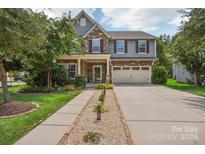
<point x="95" y="67"/>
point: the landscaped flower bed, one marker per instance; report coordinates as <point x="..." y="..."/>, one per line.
<point x="88" y="130"/>
<point x="14" y="109"/>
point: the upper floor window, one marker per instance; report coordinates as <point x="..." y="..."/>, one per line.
<point x="82" y="22"/>
<point x="96" y="45"/>
<point x="142" y="46"/>
<point x="120" y="46"/>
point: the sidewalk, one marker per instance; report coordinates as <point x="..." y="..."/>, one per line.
<point x="52" y="129"/>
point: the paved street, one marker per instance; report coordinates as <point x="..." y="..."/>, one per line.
<point x="159" y="115"/>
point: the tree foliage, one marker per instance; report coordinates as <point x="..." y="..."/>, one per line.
<point x="22" y="33"/>
<point x="189" y="43"/>
<point x="61" y="39"/>
<point x="164" y="57"/>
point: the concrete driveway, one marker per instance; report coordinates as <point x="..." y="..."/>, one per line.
<point x="159" y="115"/>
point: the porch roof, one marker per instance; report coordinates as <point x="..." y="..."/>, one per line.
<point x="84" y="56"/>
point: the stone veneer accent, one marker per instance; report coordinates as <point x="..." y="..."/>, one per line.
<point x="90" y="70"/>
<point x="132" y="63"/>
<point x="97" y="33"/>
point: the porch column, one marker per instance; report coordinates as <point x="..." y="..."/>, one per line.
<point x="108" y="67"/>
<point x="108" y="71"/>
<point x="79" y="66"/>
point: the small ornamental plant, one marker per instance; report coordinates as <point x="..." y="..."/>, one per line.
<point x="100" y="107"/>
<point x="92" y="137"/>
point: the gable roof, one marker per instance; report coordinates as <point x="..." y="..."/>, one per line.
<point x="131" y="35"/>
<point x="98" y="26"/>
<point x="86" y="15"/>
<point x="114" y="34"/>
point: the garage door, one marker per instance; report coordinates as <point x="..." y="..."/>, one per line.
<point x="131" y="74"/>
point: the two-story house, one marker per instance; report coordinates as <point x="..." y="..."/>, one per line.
<point x="111" y="56"/>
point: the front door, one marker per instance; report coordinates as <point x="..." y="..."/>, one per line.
<point x="97" y="73"/>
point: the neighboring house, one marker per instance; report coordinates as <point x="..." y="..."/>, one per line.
<point x="180" y="74"/>
<point x="111" y="56"/>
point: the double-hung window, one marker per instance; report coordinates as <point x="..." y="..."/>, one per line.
<point x="120" y="44"/>
<point x="96" y="45"/>
<point x="72" y="70"/>
<point x="142" y="46"/>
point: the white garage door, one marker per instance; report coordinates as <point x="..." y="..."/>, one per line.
<point x="132" y="74"/>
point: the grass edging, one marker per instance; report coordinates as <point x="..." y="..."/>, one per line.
<point x="200" y="91"/>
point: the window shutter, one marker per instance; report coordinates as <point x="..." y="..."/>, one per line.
<point x="115" y="48"/>
<point x="136" y="46"/>
<point x="125" y="46"/>
<point x="101" y="45"/>
<point x="90" y="45"/>
<point x="147" y="46"/>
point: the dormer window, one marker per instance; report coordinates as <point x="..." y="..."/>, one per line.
<point x="82" y="22"/>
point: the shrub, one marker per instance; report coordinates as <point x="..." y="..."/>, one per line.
<point x="38" y="77"/>
<point x="159" y="75"/>
<point x="104" y="86"/>
<point x="103" y="107"/>
<point x="92" y="137"/>
<point x="48" y="90"/>
<point x="80" y="81"/>
<point x="28" y="89"/>
<point x="67" y="88"/>
<point x="102" y="98"/>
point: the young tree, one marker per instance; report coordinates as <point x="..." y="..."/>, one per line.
<point x="163" y="54"/>
<point x="61" y="39"/>
<point x="189" y="43"/>
<point x="22" y="33"/>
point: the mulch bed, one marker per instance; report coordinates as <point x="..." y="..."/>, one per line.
<point x="12" y="109"/>
<point x="110" y="126"/>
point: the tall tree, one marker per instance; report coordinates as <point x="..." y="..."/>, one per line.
<point x="22" y="33"/>
<point x="189" y="43"/>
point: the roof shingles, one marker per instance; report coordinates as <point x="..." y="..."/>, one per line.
<point x="131" y="35"/>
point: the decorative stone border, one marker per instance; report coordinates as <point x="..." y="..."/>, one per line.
<point x="20" y="114"/>
<point x="128" y="139"/>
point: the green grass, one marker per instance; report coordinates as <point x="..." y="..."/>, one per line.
<point x="11" y="129"/>
<point x="186" y="87"/>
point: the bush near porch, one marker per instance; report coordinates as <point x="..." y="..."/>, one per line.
<point x="11" y="129"/>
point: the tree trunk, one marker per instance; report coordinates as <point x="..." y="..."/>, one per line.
<point x="49" y="78"/>
<point x="4" y="82"/>
<point x="199" y="80"/>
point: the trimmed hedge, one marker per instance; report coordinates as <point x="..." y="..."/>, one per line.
<point x="104" y="86"/>
<point x="159" y="75"/>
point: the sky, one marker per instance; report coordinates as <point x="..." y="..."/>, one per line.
<point x="155" y="21"/>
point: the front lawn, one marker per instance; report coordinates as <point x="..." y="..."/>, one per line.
<point x="186" y="87"/>
<point x="11" y="129"/>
